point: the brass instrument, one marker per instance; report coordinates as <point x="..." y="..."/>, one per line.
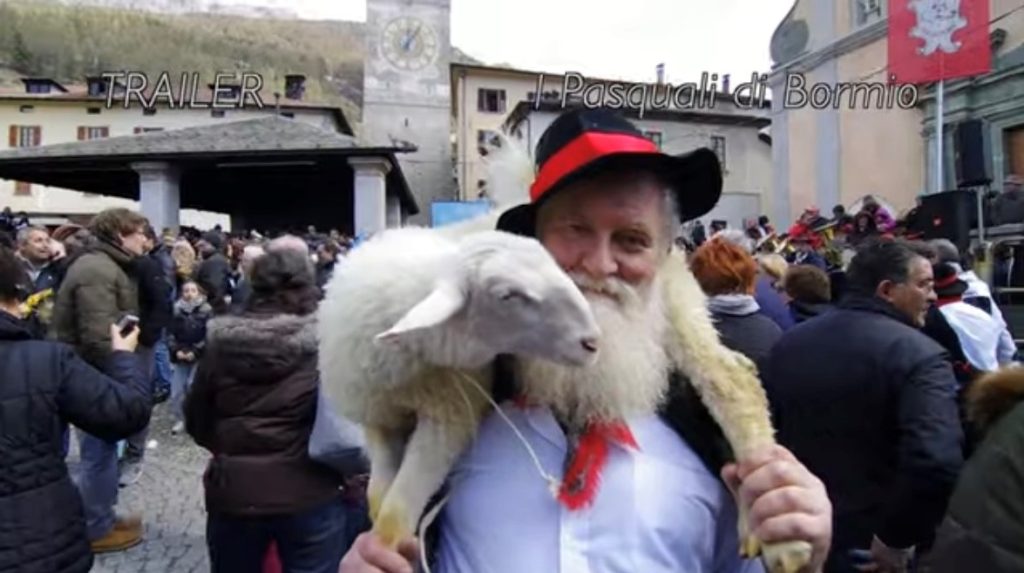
<point x="775" y="245"/>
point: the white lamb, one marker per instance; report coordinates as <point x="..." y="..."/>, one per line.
<point x="406" y="317"/>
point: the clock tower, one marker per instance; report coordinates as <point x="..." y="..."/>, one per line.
<point x="406" y="93"/>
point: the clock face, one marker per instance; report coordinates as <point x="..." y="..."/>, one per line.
<point x="409" y="43"/>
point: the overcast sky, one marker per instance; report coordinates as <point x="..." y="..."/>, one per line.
<point x="689" y="36"/>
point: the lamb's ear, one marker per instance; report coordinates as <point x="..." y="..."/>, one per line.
<point x="446" y="300"/>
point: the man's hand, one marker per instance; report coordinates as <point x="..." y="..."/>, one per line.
<point x="785" y="501"/>
<point x="885" y="559"/>
<point x="369" y="555"/>
<point x="123" y="343"/>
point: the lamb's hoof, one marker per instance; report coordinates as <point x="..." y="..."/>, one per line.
<point x="750" y="547"/>
<point x="788" y="557"/>
<point x="391" y="527"/>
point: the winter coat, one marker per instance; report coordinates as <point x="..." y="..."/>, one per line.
<point x="188" y="327"/>
<point x="868" y="403"/>
<point x="804" y="311"/>
<point x="252" y="404"/>
<point x="97" y="291"/>
<point x="155" y="305"/>
<point x="44" y="385"/>
<point x="214" y="277"/>
<point x="743" y="328"/>
<point x="984" y="527"/>
<point x="162" y="255"/>
<point x="771" y="303"/>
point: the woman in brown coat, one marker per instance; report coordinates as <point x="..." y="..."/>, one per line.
<point x="252" y="405"/>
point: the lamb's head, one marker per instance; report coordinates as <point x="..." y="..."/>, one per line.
<point x="507" y="295"/>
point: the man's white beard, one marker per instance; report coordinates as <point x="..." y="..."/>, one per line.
<point x="630" y="377"/>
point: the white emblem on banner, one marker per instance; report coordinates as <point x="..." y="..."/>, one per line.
<point x="937" y="21"/>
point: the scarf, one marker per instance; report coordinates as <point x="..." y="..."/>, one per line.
<point x="733" y="304"/>
<point x="187" y="307"/>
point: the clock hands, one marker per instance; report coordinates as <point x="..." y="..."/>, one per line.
<point x="409" y="38"/>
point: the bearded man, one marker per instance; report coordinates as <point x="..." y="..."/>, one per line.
<point x="643" y="487"/>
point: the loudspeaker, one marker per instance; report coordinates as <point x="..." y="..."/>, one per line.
<point x="948" y="215"/>
<point x="972" y="153"/>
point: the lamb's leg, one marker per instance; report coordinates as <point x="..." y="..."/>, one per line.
<point x="384" y="448"/>
<point x="429" y="456"/>
<point x="729" y="386"/>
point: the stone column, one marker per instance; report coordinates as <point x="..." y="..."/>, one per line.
<point x="394" y="217"/>
<point x="159" y="194"/>
<point x="369" y="194"/>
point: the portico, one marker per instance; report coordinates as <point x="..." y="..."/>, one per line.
<point x="270" y="173"/>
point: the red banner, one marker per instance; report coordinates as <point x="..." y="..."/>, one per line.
<point x="932" y="40"/>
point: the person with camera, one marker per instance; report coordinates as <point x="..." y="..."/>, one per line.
<point x="45" y="386"/>
<point x="100" y="288"/>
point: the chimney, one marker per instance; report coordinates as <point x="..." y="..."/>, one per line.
<point x="294" y="86"/>
<point x="660" y="70"/>
<point x="725" y="84"/>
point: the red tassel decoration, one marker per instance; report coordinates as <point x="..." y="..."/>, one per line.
<point x="583" y="476"/>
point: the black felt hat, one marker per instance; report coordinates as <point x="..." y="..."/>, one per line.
<point x="948" y="283"/>
<point x="580" y="144"/>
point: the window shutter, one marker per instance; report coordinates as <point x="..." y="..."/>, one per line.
<point x="12" y="136"/>
<point x="81" y="133"/>
<point x="106" y="132"/>
<point x="37" y="136"/>
<point x="137" y="130"/>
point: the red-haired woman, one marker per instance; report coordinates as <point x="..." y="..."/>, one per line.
<point x="727" y="274"/>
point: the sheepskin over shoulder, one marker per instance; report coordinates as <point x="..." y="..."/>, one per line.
<point x="262" y="347"/>
<point x="993" y="395"/>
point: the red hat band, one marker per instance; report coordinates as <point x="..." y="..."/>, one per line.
<point x="587" y="147"/>
<point x="947" y="281"/>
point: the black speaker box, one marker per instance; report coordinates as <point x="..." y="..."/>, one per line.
<point x="972" y="153"/>
<point x="948" y="215"/>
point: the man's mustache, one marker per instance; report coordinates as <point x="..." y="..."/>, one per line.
<point x="616" y="289"/>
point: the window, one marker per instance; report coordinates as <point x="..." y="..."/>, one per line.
<point x="149" y="111"/>
<point x="1013" y="150"/>
<point x="86" y="133"/>
<point x="139" y="130"/>
<point x="217" y="113"/>
<point x="288" y="114"/>
<point x="718" y="146"/>
<point x="27" y="108"/>
<point x="654" y="136"/>
<point x="486" y="139"/>
<point x="24" y="136"/>
<point x="867" y="12"/>
<point x="97" y="87"/>
<point x="490" y="101"/>
<point x="93" y="111"/>
<point x="37" y="88"/>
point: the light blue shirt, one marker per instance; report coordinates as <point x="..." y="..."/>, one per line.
<point x="657" y="510"/>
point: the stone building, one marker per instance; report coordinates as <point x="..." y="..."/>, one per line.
<point x="837" y="153"/>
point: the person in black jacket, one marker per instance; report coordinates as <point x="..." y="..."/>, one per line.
<point x="214" y="273"/>
<point x="46" y="386"/>
<point x="869" y="404"/>
<point x="155" y="311"/>
<point x="809" y="292"/>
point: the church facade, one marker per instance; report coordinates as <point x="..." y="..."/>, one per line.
<point x="840" y="150"/>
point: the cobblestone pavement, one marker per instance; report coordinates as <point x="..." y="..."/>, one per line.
<point x="169" y="496"/>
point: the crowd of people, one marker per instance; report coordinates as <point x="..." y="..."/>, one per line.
<point x="890" y="373"/>
<point x="67" y="288"/>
